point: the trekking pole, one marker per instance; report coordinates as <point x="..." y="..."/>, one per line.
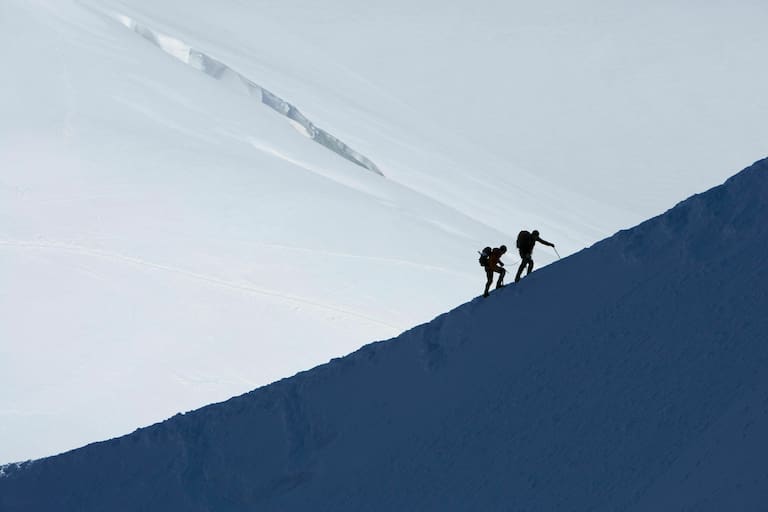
<point x="558" y="254"/>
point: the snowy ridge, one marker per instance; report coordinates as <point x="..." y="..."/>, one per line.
<point x="574" y="120"/>
<point x="568" y="391"/>
<point x="220" y="71"/>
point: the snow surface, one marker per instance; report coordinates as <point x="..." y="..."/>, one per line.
<point x="630" y="376"/>
<point x="600" y="97"/>
<point x="167" y="239"/>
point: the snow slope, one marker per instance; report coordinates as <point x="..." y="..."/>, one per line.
<point x="173" y="233"/>
<point x="629" y="376"/>
<point x="633" y="105"/>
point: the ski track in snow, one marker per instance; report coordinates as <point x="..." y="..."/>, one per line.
<point x="76" y="249"/>
<point x="379" y="259"/>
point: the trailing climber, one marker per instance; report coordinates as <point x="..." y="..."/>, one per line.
<point x="525" y="243"/>
<point x="493" y="264"/>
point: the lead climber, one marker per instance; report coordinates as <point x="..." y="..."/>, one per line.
<point x="525" y="242"/>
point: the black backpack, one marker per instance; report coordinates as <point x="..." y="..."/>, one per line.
<point x="524" y="239"/>
<point x="484" y="256"/>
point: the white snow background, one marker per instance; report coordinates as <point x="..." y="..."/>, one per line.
<point x="168" y="240"/>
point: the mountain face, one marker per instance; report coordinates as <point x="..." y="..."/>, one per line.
<point x="199" y="198"/>
<point x="629" y="376"/>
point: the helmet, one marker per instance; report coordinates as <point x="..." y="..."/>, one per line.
<point x="535" y="233"/>
<point x="503" y="248"/>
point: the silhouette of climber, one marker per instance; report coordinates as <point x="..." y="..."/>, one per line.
<point x="495" y="265"/>
<point x="525" y="243"/>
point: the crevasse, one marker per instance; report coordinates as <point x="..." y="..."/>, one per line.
<point x="220" y="71"/>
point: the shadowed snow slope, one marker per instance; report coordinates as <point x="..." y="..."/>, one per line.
<point x="629" y="376"/>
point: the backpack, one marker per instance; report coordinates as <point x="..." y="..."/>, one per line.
<point x="524" y="239"/>
<point x="484" y="256"/>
